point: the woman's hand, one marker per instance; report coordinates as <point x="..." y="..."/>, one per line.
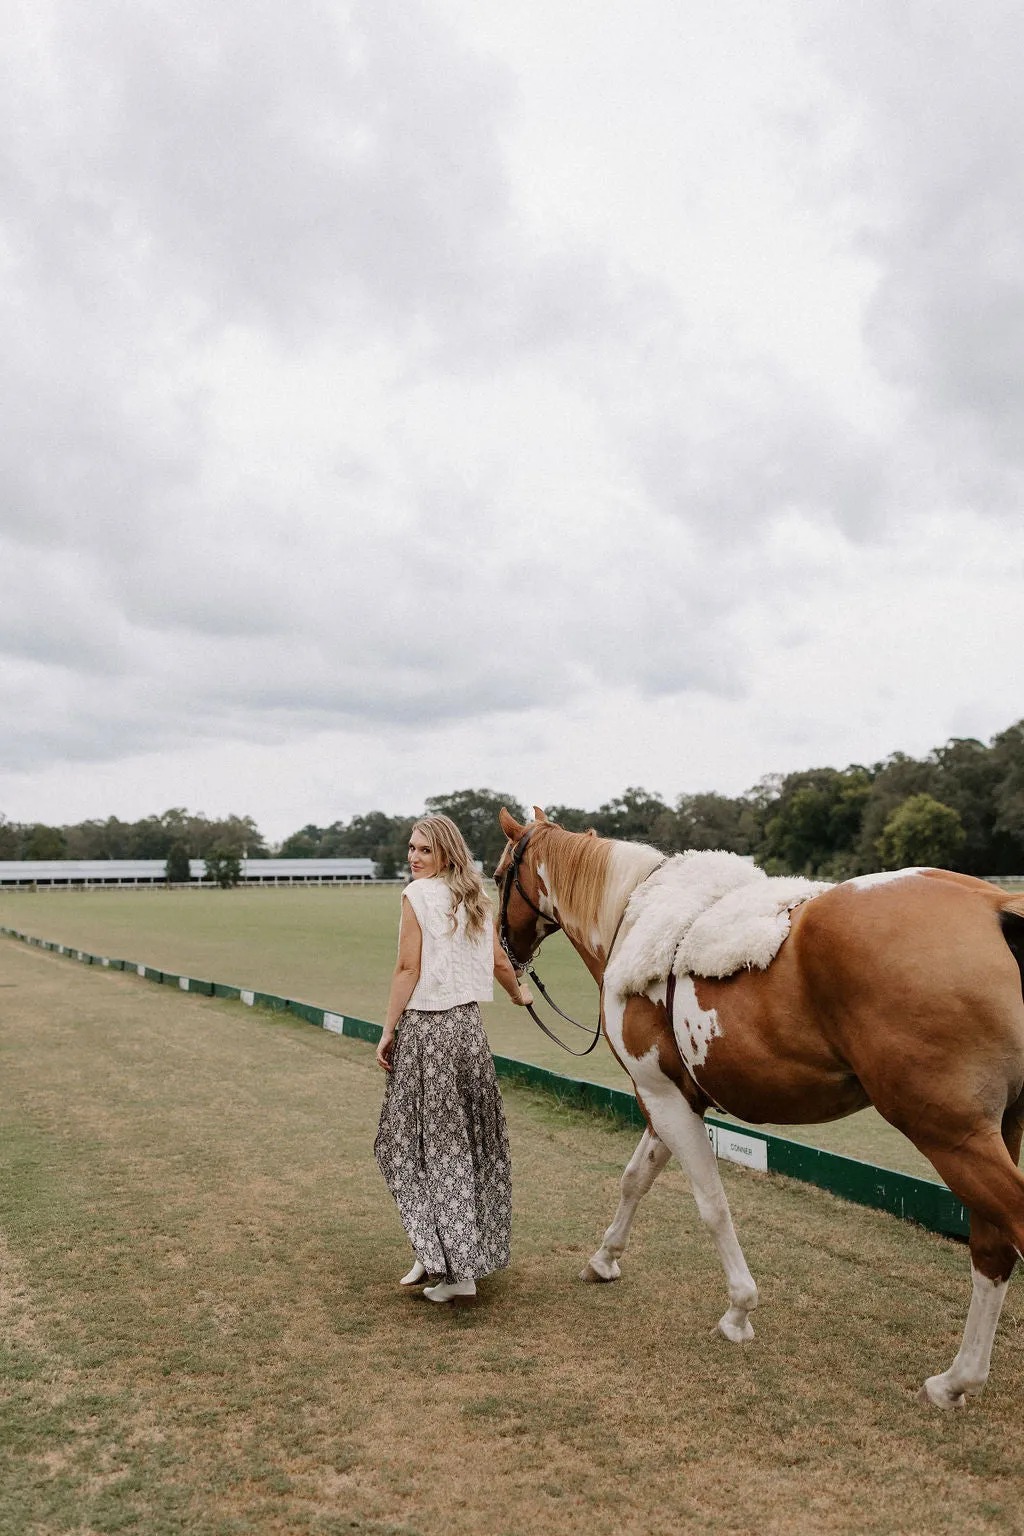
<point x="385" y="1050"/>
<point x="509" y="978"/>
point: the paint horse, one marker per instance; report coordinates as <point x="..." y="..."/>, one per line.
<point x="901" y="990"/>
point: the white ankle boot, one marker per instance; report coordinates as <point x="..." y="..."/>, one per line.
<point x="415" y="1275"/>
<point x="457" y="1290"/>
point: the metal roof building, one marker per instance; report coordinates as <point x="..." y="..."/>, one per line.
<point x="53" y="873"/>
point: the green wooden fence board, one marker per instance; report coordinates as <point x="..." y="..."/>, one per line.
<point x="269" y="1000"/>
<point x="308" y="1012"/>
<point x="884" y="1189"/>
<point x="197" y="985"/>
<point x="362" y="1029"/>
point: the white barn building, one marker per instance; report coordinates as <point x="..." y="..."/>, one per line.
<point x="51" y="874"/>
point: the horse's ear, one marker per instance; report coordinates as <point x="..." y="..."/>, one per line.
<point x="591" y="832"/>
<point x="511" y="828"/>
<point x="538" y="813"/>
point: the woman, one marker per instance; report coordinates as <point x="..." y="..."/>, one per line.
<point x="442" y="1145"/>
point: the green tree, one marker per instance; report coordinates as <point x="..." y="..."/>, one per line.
<point x="385" y="865"/>
<point x="921" y="831"/>
<point x="303" y="845"/>
<point x="570" y="817"/>
<point x="364" y="835"/>
<point x="10" y="839"/>
<point x="715" y="821"/>
<point x="475" y="813"/>
<point x="44" y="842"/>
<point x="892" y="781"/>
<point x="223" y="867"/>
<point x="178" y="871"/>
<point x="1008" y="802"/>
<point x="152" y="837"/>
<point x="110" y="839"/>
<point x="814" y="824"/>
<point x="636" y="816"/>
<point x="238" y="832"/>
<point x="375" y="835"/>
<point x="968" y="780"/>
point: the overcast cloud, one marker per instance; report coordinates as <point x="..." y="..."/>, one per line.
<point x="400" y="396"/>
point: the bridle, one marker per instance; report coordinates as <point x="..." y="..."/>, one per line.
<point x="511" y="882"/>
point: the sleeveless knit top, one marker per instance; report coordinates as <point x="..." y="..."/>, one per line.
<point x="454" y="968"/>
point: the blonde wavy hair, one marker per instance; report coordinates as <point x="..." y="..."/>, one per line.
<point x="454" y="864"/>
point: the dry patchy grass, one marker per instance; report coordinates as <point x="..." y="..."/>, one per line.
<point x="203" y="1332"/>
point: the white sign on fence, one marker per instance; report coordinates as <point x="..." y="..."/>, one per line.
<point x="335" y="1022"/>
<point x="183" y="983"/>
<point x="739" y="1146"/>
<point x="248" y="998"/>
<point x="140" y="970"/>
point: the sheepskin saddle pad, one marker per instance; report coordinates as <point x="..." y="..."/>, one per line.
<point x="703" y="914"/>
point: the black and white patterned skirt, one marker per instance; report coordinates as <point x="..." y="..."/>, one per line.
<point x="442" y="1145"/>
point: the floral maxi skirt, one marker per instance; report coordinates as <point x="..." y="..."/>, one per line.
<point x="442" y="1145"/>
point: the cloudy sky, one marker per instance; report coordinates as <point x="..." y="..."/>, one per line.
<point x="403" y="395"/>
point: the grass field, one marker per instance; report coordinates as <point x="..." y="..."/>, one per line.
<point x="202" y="1334"/>
<point x="336" y="947"/>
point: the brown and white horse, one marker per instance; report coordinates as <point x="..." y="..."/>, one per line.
<point x="902" y="990"/>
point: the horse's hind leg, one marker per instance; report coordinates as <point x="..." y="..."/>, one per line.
<point x="994" y="1250"/>
<point x="642" y="1169"/>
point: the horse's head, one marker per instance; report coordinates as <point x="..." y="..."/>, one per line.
<point x="526" y="911"/>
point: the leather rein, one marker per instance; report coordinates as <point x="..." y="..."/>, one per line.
<point x="511" y="882"/>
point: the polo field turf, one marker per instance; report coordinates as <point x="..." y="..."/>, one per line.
<point x="336" y="947"/>
<point x="202" y="1332"/>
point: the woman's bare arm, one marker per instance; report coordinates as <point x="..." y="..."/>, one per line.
<point x="403" y="981"/>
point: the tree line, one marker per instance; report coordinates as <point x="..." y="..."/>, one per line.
<point x="961" y="806"/>
<point x="176" y="836"/>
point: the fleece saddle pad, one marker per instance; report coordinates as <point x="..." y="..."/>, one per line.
<point x="704" y="914"/>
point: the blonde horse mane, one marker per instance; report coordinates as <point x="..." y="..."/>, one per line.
<point x="590" y="877"/>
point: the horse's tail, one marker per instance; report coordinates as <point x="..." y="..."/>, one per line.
<point x="1011" y="920"/>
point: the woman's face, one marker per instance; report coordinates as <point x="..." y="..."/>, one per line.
<point x="422" y="863"/>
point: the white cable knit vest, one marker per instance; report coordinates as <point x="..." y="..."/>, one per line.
<point x="454" y="968"/>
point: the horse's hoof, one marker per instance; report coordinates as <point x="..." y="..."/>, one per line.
<point x="594" y="1276"/>
<point x="935" y="1394"/>
<point x="736" y="1333"/>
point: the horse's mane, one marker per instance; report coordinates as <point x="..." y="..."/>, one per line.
<point x="592" y="877"/>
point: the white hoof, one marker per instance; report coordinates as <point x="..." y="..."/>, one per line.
<point x="936" y="1394"/>
<point x="600" y="1271"/>
<point x="736" y="1327"/>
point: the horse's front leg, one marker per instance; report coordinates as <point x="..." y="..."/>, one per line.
<point x="642" y="1169"/>
<point x="683" y="1131"/>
